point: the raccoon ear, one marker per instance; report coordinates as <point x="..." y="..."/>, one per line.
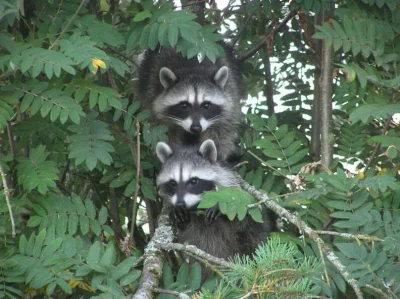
<point x="221" y="77"/>
<point x="167" y="77"/>
<point x="163" y="151"/>
<point x="208" y="150"/>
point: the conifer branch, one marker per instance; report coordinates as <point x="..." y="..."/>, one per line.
<point x="303" y="227"/>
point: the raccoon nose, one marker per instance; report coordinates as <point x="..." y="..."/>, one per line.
<point x="195" y="129"/>
<point x="180" y="204"/>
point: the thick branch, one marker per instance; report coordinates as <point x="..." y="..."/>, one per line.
<point x="154" y="257"/>
<point x="325" y="85"/>
<point x="270" y="36"/>
<point x="7" y="194"/>
<point x="282" y="212"/>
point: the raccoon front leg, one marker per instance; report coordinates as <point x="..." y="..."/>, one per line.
<point x="180" y="216"/>
<point x="211" y="214"/>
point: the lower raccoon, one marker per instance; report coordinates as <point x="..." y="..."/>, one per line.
<point x="196" y="100"/>
<point x="188" y="172"/>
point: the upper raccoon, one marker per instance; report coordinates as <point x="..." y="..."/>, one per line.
<point x="196" y="100"/>
<point x="188" y="172"/>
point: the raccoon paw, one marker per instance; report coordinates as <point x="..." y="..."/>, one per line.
<point x="180" y="216"/>
<point x="211" y="214"/>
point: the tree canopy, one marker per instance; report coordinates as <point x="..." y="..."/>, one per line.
<point x="80" y="215"/>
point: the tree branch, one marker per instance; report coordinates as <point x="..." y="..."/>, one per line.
<point x="135" y="197"/>
<point x="270" y="36"/>
<point x="7" y="193"/>
<point x="83" y="3"/>
<point x="325" y="85"/>
<point x="196" y="252"/>
<point x="154" y="257"/>
<point x="377" y="147"/>
<point x="282" y="212"/>
<point x="269" y="87"/>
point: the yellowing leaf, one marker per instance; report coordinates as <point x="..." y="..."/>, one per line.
<point x="361" y="174"/>
<point x="99" y="63"/>
<point x="383" y="171"/>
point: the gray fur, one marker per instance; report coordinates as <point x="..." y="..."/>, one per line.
<point x="164" y="74"/>
<point x="221" y="237"/>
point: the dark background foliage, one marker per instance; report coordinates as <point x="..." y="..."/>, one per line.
<point x="77" y="151"/>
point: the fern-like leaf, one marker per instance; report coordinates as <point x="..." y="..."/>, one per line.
<point x="35" y="172"/>
<point x="88" y="144"/>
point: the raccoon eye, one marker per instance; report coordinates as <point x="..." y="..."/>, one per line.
<point x="172" y="183"/>
<point x="206" y="105"/>
<point x="193" y="181"/>
<point x="184" y="105"/>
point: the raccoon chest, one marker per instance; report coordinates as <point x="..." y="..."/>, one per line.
<point x="217" y="239"/>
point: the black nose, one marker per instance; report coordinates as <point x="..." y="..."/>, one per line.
<point x="195" y="129"/>
<point x="180" y="204"/>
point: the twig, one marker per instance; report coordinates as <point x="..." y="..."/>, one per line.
<point x="83" y="3"/>
<point x="135" y="198"/>
<point x="378" y="291"/>
<point x="170" y="292"/>
<point x="195" y="252"/>
<point x="266" y="164"/>
<point x="377" y="147"/>
<point x="11" y="139"/>
<point x="235" y="40"/>
<point x="7" y="192"/>
<point x="154" y="257"/>
<point x="306" y="229"/>
<point x="349" y="236"/>
<point x="261" y="202"/>
<point x="268" y="91"/>
<point x="273" y="32"/>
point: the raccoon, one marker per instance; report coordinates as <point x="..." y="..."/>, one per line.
<point x="185" y="174"/>
<point x="196" y="100"/>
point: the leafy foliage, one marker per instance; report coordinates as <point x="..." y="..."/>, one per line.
<point x="72" y="135"/>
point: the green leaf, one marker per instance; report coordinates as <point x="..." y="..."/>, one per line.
<point x="256" y="214"/>
<point x="64" y="286"/>
<point x="103" y="215"/>
<point x="22" y="244"/>
<point x="123" y="268"/>
<point x="183" y="274"/>
<point x="108" y="257"/>
<point x="366" y="112"/>
<point x="195" y="276"/>
<point x="94" y="253"/>
<point x="173" y="33"/>
<point x="379" y="183"/>
<point x="142" y="16"/>
<point x="131" y="277"/>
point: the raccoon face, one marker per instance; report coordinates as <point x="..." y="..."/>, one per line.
<point x="184" y="178"/>
<point x="194" y="107"/>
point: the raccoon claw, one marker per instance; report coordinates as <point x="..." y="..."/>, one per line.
<point x="180" y="215"/>
<point x="211" y="214"/>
